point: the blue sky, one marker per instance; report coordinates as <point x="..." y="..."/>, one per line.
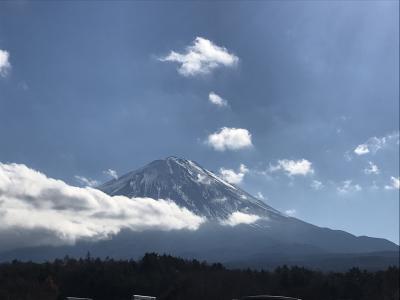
<point x="87" y="87"/>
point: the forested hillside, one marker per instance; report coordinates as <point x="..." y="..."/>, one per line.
<point x="173" y="278"/>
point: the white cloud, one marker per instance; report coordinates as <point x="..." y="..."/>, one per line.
<point x="5" y="65"/>
<point x="111" y="173"/>
<point x="394" y="184"/>
<point x="86" y="181"/>
<point x="217" y="100"/>
<point x="361" y="149"/>
<point x="293" y="167"/>
<point x="347" y="186"/>
<point x="317" y="185"/>
<point x="47" y="211"/>
<point x="202" y="57"/>
<point x="290" y="212"/>
<point x="203" y="179"/>
<point x="374" y="144"/>
<point x="371" y="169"/>
<point x="238" y="218"/>
<point x="230" y="139"/>
<point x="260" y="196"/>
<point x="233" y="177"/>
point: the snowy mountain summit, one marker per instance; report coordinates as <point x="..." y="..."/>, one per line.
<point x="240" y="229"/>
<point x="204" y="193"/>
<point x="189" y="185"/>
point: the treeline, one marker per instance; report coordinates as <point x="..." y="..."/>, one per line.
<point x="171" y="278"/>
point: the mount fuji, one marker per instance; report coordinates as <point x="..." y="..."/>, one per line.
<point x="191" y="186"/>
<point x="265" y="238"/>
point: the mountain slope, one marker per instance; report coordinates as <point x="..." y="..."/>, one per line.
<point x="188" y="185"/>
<point x="204" y="193"/>
<point x="272" y="240"/>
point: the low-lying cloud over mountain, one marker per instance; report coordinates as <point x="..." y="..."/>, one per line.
<point x="38" y="210"/>
<point x="122" y="218"/>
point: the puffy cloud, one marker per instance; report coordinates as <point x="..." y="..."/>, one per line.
<point x="230" y="139"/>
<point x="374" y="144"/>
<point x="231" y="176"/>
<point x="394" y="184"/>
<point x="371" y="169"/>
<point x="202" y="57"/>
<point x="217" y="100"/>
<point x="46" y="211"/>
<point x="290" y="212"/>
<point x="86" y="181"/>
<point x="5" y="65"/>
<point x="347" y="186"/>
<point x="111" y="173"/>
<point x="317" y="185"/>
<point x="238" y="218"/>
<point x="293" y="167"/>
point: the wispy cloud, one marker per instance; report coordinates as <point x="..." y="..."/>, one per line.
<point x="371" y="169"/>
<point x="203" y="179"/>
<point x="230" y="139"/>
<point x="58" y="213"/>
<point x="374" y="144"/>
<point x="347" y="187"/>
<point x="293" y="167"/>
<point x="260" y="196"/>
<point x="290" y="212"/>
<point x="112" y="173"/>
<point x="217" y="100"/>
<point x="394" y="183"/>
<point x="86" y="181"/>
<point x="317" y="185"/>
<point x="233" y="176"/>
<point x="238" y="218"/>
<point x="202" y="57"/>
<point x="5" y="64"/>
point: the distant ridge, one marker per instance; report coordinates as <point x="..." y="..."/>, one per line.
<point x="273" y="239"/>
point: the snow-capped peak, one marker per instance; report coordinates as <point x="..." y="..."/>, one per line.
<point x="189" y="185"/>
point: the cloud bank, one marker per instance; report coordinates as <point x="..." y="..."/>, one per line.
<point x="38" y="210"/>
<point x="230" y="139"/>
<point x="202" y="57"/>
<point x="5" y="65"/>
